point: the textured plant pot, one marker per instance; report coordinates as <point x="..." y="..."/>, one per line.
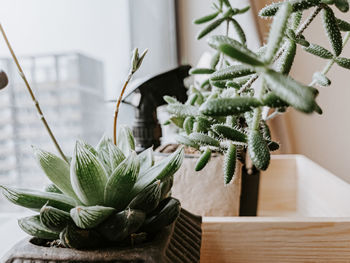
<point x="204" y="193"/>
<point x="179" y="242"/>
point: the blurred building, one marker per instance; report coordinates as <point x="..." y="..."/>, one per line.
<point x="69" y="88"/>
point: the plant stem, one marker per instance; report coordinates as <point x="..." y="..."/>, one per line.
<point x="36" y="103"/>
<point x="117" y="108"/>
<point x="249" y="83"/>
<point x="307" y="22"/>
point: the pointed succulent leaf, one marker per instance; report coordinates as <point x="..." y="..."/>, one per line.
<point x="56" y="169"/>
<point x="210" y="28"/>
<point x="146" y="159"/>
<point x="35" y="200"/>
<point x="170" y="100"/>
<point x="343" y="62"/>
<point x="273" y="146"/>
<point x="319" y="51"/>
<point x="321" y="79"/>
<point x="230" y="163"/>
<point x="160" y="171"/>
<point x="51" y="188"/>
<point x="88" y="217"/>
<point x="229" y="133"/>
<point x="120" y="183"/>
<point x="188" y="125"/>
<point x="239" y="31"/>
<point x="296" y="20"/>
<point x="148" y="199"/>
<point x="342" y="5"/>
<point x="54" y="219"/>
<point x="232" y="72"/>
<point x="181" y="110"/>
<point x="343" y="25"/>
<point x="191" y="99"/>
<point x="285" y="62"/>
<point x="277" y="31"/>
<point x="331" y="26"/>
<point x="33" y="226"/>
<point x="273" y="101"/>
<point x="204" y="139"/>
<point x="215" y="60"/>
<point x="228" y="106"/>
<point x="218" y="83"/>
<point x="185" y="140"/>
<point x="103" y="154"/>
<point x="167" y="212"/>
<point x="206" y="18"/>
<point x="178" y="121"/>
<point x="195" y="71"/>
<point x="119" y="226"/>
<point x="88" y="177"/>
<point x="166" y="187"/>
<point x="203" y="159"/>
<point x="258" y="150"/>
<point x="126" y="140"/>
<point x="77" y="238"/>
<point x="297" y="5"/>
<point x="116" y="156"/>
<point x="300" y="97"/>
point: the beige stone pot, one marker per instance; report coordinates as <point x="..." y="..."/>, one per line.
<point x="204" y="193"/>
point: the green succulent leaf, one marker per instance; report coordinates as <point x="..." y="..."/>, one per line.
<point x="56" y="169"/>
<point x="51" y="188"/>
<point x="196" y="71"/>
<point x="103" y="154"/>
<point x="188" y="125"/>
<point x="35" y="200"/>
<point x="285" y="62"/>
<point x="228" y="106"/>
<point x="343" y="25"/>
<point x="120" y="183"/>
<point x="204" y="139"/>
<point x="229" y="133"/>
<point x="300" y="97"/>
<point x="258" y="150"/>
<point x="297" y="5"/>
<point x="170" y="100"/>
<point x="319" y="51"/>
<point x="215" y="60"/>
<point x="273" y="101"/>
<point x="342" y="5"/>
<point x="181" y="110"/>
<point x="88" y="217"/>
<point x="209" y="28"/>
<point x="146" y="159"/>
<point x="54" y="219"/>
<point x="126" y="140"/>
<point x="185" y="140"/>
<point x="230" y="163"/>
<point x="148" y="199"/>
<point x="232" y="72"/>
<point x="321" y="79"/>
<point x="206" y="18"/>
<point x="277" y="31"/>
<point x="331" y="26"/>
<point x="88" y="176"/>
<point x="77" y="238"/>
<point x="33" y="226"/>
<point x="116" y="156"/>
<point x="178" y="121"/>
<point x="160" y="171"/>
<point x="203" y="159"/>
<point x="240" y="32"/>
<point x="343" y="62"/>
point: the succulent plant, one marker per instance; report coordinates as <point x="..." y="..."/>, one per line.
<point x="227" y="109"/>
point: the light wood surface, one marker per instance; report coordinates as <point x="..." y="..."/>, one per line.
<point x="304" y="216"/>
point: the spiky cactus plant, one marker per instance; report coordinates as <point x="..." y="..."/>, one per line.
<point x="101" y="196"/>
<point x="228" y="111"/>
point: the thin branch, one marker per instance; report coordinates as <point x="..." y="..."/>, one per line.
<point x="248" y="84"/>
<point x="36" y="103"/>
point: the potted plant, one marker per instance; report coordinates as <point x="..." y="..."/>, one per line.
<point x="105" y="203"/>
<point x="226" y="115"/>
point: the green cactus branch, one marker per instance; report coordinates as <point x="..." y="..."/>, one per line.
<point x="31" y="93"/>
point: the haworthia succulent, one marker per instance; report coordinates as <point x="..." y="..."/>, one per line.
<point x="146" y="159"/>
<point x="126" y="141"/>
<point x="300" y="97"/>
<point x="331" y="26"/>
<point x="56" y="169"/>
<point x="182" y="110"/>
<point x="232" y="72"/>
<point x="210" y="28"/>
<point x="77" y="238"/>
<point x="228" y="106"/>
<point x="321" y="79"/>
<point x="35" y="200"/>
<point x="103" y="153"/>
<point x="192" y="99"/>
<point x="203" y="159"/>
<point x="296" y="20"/>
<point x="319" y="51"/>
<point x="148" y="199"/>
<point x="204" y="139"/>
<point x="116" y="156"/>
<point x="230" y="163"/>
<point x="53" y="218"/>
<point x="258" y="150"/>
<point x="195" y="71"/>
<point x="88" y="177"/>
<point x="343" y="62"/>
<point x="88" y="217"/>
<point x="51" y="188"/>
<point x="120" y="183"/>
<point x="33" y="226"/>
<point x="277" y="31"/>
<point x="297" y="5"/>
<point x="230" y="133"/>
<point x="206" y="18"/>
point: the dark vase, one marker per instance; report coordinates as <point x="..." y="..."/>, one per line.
<point x="179" y="242"/>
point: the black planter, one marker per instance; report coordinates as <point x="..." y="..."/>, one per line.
<point x="179" y="242"/>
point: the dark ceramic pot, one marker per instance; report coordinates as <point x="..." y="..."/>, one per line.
<point x="179" y="242"/>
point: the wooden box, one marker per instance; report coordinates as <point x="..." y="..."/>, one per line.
<point x="303" y="216"/>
